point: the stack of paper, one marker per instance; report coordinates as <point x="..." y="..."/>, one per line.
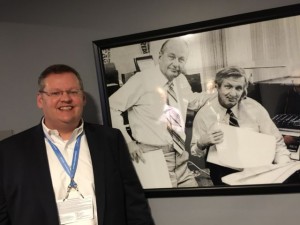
<point x="244" y="148"/>
<point x="276" y="173"/>
<point x="154" y="172"/>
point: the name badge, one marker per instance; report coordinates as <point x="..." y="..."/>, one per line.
<point x="75" y="209"/>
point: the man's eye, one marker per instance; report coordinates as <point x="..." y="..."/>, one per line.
<point x="74" y="93"/>
<point x="171" y="57"/>
<point x="181" y="60"/>
<point x="55" y="93"/>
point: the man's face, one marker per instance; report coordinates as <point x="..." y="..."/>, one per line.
<point x="65" y="110"/>
<point x="230" y="91"/>
<point x="173" y="59"/>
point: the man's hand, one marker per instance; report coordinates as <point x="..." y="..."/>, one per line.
<point x="210" y="138"/>
<point x="135" y="151"/>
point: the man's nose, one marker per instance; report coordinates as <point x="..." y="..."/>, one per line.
<point x="176" y="62"/>
<point x="233" y="92"/>
<point x="65" y="96"/>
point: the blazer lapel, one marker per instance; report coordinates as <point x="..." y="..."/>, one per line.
<point x="96" y="147"/>
<point x="42" y="178"/>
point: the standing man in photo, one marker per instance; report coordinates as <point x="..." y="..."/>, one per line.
<point x="157" y="100"/>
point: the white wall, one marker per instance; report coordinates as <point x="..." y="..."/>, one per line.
<point x="35" y="37"/>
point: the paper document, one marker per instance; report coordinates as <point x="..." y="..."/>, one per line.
<point x="275" y="173"/>
<point x="244" y="148"/>
<point x="154" y="172"/>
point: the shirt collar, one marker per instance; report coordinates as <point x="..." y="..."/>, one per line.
<point x="234" y="109"/>
<point x="160" y="77"/>
<point x="222" y="111"/>
<point x="50" y="134"/>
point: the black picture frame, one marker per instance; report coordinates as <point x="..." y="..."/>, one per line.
<point x="110" y="76"/>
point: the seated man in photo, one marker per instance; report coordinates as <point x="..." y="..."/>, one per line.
<point x="231" y="107"/>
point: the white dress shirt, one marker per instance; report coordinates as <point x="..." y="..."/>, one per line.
<point x="84" y="176"/>
<point x="143" y="97"/>
<point x="250" y="114"/>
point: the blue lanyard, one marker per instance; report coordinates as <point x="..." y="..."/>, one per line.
<point x="70" y="171"/>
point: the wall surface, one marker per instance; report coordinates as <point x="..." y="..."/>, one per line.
<point x="35" y="34"/>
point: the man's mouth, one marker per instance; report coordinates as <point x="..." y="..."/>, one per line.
<point x="232" y="99"/>
<point x="175" y="70"/>
<point x="65" y="108"/>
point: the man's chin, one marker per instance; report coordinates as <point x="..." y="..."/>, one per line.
<point x="174" y="75"/>
<point x="69" y="120"/>
<point x="231" y="104"/>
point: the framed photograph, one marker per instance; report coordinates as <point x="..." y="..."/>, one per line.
<point x="148" y="79"/>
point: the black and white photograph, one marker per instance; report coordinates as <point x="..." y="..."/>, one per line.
<point x="210" y="106"/>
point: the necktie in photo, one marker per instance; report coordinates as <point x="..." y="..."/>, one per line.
<point x="175" y="125"/>
<point x="232" y="119"/>
<point x="171" y="98"/>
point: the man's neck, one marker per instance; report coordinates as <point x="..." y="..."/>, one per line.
<point x="65" y="131"/>
<point x="65" y="135"/>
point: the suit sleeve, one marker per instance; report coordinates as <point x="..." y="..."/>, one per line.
<point x="137" y="208"/>
<point x="3" y="206"/>
<point x="3" y="209"/>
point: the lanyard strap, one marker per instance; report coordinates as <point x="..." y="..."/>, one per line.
<point x="69" y="170"/>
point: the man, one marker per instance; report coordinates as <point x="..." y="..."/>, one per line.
<point x="231" y="107"/>
<point x="146" y="98"/>
<point x="67" y="171"/>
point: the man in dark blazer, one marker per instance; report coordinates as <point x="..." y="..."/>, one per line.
<point x="30" y="191"/>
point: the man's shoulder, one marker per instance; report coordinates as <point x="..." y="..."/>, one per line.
<point x="150" y="71"/>
<point x="25" y="133"/>
<point x="204" y="109"/>
<point x="98" y="134"/>
<point x="212" y="104"/>
<point x="181" y="80"/>
<point x="24" y="137"/>
<point x="145" y="77"/>
<point x="250" y="102"/>
<point x="98" y="128"/>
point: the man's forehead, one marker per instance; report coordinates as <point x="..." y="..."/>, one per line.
<point x="59" y="78"/>
<point x="235" y="81"/>
<point x="176" y="46"/>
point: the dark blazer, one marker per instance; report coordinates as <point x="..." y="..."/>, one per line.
<point x="26" y="193"/>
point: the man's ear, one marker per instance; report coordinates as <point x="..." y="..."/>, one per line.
<point x="84" y="98"/>
<point x="159" y="54"/>
<point x="39" y="101"/>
